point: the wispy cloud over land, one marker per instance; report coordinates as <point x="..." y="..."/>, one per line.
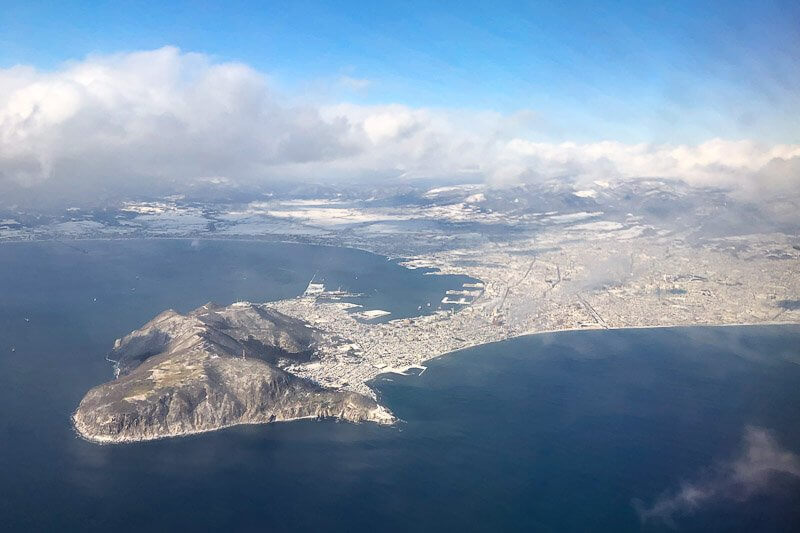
<point x="751" y="473"/>
<point x="160" y="119"/>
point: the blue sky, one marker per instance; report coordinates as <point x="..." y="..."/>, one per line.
<point x="631" y="71"/>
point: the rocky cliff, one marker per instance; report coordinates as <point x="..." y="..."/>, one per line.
<point x="212" y="368"/>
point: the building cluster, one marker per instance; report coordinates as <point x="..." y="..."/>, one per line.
<point x="557" y="283"/>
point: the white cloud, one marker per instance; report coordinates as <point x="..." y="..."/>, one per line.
<point x="715" y="162"/>
<point x="749" y="474"/>
<point x="161" y="118"/>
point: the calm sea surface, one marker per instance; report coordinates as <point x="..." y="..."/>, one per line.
<point x="690" y="428"/>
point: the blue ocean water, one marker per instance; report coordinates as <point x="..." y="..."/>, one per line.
<point x="578" y="431"/>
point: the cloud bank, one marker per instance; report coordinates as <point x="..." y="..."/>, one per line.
<point x="157" y="120"/>
<point x="761" y="460"/>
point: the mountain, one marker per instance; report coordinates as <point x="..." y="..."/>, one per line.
<point x="212" y="368"/>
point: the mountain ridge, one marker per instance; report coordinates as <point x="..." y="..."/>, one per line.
<point x="211" y="368"/>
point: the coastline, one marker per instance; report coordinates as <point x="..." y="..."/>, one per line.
<point x="575" y="330"/>
<point x="279" y="239"/>
<point x="401" y="369"/>
<point x="403" y="372"/>
<point x="109" y="442"/>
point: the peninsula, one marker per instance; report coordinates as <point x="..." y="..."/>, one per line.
<point x="638" y="254"/>
<point x="212" y="368"/>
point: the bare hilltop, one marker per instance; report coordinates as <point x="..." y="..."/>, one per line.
<point x="212" y="368"/>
